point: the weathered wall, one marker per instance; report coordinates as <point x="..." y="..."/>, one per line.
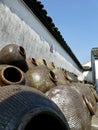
<point x="18" y="25"/>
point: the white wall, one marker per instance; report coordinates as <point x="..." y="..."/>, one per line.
<point x="94" y="63"/>
<point x="19" y="25"/>
<point x="88" y="74"/>
<point x="96" y="74"/>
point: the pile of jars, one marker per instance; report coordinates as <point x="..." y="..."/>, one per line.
<point x="76" y="100"/>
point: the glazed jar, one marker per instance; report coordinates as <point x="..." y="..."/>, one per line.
<point x="72" y="106"/>
<point x="14" y="54"/>
<point x="41" y="78"/>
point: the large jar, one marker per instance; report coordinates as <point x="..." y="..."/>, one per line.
<point x="14" y="54"/>
<point x="41" y="78"/>
<point x="72" y="106"/>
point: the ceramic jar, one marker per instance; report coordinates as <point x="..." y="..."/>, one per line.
<point x="60" y="76"/>
<point x="14" y="54"/>
<point x="72" y="106"/>
<point x="88" y="97"/>
<point x="41" y="78"/>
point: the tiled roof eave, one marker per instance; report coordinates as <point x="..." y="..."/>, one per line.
<point x="37" y="8"/>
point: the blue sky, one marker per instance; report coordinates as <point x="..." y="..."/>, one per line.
<point x="77" y="20"/>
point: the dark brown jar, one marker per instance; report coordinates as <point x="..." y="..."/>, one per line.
<point x="14" y="54"/>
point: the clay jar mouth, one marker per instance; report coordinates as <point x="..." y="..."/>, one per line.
<point x="44" y="61"/>
<point x="34" y="61"/>
<point x="12" y="75"/>
<point x="52" y="76"/>
<point x="22" y="51"/>
<point x="46" y="64"/>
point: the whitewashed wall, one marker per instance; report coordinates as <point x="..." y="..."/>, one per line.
<point x="19" y="25"/>
<point x="88" y="74"/>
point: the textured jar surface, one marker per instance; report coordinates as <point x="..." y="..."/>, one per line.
<point x="84" y="90"/>
<point x="71" y="104"/>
